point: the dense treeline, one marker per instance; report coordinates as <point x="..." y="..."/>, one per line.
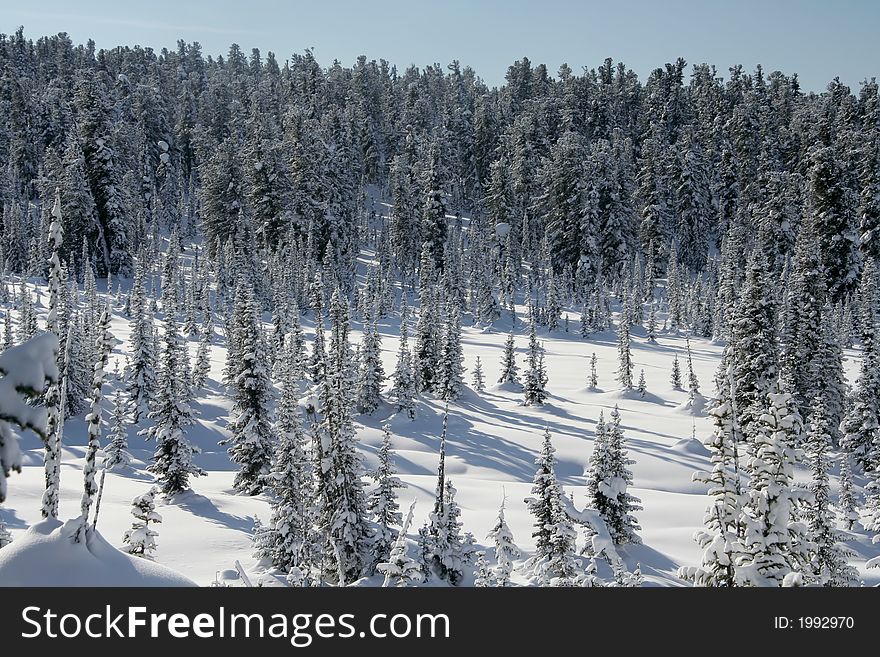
<point x="588" y="169"/>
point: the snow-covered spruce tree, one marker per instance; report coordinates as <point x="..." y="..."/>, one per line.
<point x="693" y="202"/>
<point x="651" y="328"/>
<point x="861" y="424"/>
<point x="296" y="344"/>
<point x="5" y="535"/>
<point x="488" y="310"/>
<point x="449" y="553"/>
<point x="318" y="358"/>
<point x="776" y="547"/>
<point x="540" y="503"/>
<point x="593" y="383"/>
<point x="482" y="575"/>
<point x="372" y="375"/>
<point x="77" y="366"/>
<point x="190" y="328"/>
<point x="847" y="507"/>
<point x="140" y="540"/>
<point x="508" y="362"/>
<point x="450" y="377"/>
<point x="54" y="396"/>
<point x="403" y="390"/>
<point x="624" y="355"/>
<point x="236" y="318"/>
<point x="754" y="352"/>
<point x="428" y="335"/>
<point x="250" y="430"/>
<point x="288" y="540"/>
<point x="829" y="561"/>
<point x="869" y="206"/>
<point x="831" y="378"/>
<point x="801" y="337"/>
<point x="8" y="339"/>
<point x="478" y="378"/>
<point x="533" y="389"/>
<point x="831" y="202"/>
<point x="554" y="309"/>
<point x="342" y="501"/>
<point x="27" y="315"/>
<point x="172" y="459"/>
<point x="117" y="456"/>
<point x="433" y="225"/>
<point x="506" y="550"/>
<point x="445" y="542"/>
<point x="871" y="513"/>
<point x="623" y="524"/>
<point x="202" y="366"/>
<point x="608" y="477"/>
<point x="282" y="318"/>
<point x="26" y="369"/>
<point x="720" y="540"/>
<point x="382" y="503"/>
<point x="554" y="562"/>
<point x="693" y="381"/>
<point x="674" y="292"/>
<point x="171" y="275"/>
<point x="560" y="203"/>
<point x="642" y="386"/>
<point x="401" y="569"/>
<point x="141" y="374"/>
<point x="675" y="378"/>
<point x="586" y="323"/>
<point x="423" y="544"/>
<point x="103" y="346"/>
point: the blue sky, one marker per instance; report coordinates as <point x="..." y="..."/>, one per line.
<point x="816" y="39"/>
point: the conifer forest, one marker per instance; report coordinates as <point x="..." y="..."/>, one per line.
<point x="267" y="322"/>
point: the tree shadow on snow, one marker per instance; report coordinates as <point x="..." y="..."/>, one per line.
<point x="201" y="506"/>
<point x="473" y="447"/>
<point x="650" y="560"/>
<point x="12" y="521"/>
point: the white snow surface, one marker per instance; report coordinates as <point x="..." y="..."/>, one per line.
<point x="46" y="555"/>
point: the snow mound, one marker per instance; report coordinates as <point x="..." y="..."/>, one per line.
<point x="507" y="386"/>
<point x="630" y="394"/>
<point x="47" y="556"/>
<point x="695" y="407"/>
<point x="690" y="446"/>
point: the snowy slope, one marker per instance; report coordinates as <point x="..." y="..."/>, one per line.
<point x="492" y="443"/>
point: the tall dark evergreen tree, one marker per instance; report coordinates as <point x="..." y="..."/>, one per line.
<point x="753" y="346"/>
<point x="445" y="542"/>
<point x="450" y="384"/>
<point x="861" y="424"/>
<point x="831" y="204"/>
<point x="250" y="429"/>
<point x="608" y="477"/>
<point x="372" y="374"/>
<point x="404" y="384"/>
<point x="508" y="362"/>
<point x="141" y="371"/>
<point x="830" y="561"/>
<point x="553" y="561"/>
<point x="173" y="457"/>
<point x="289" y="540"/>
<point x="342" y="501"/>
<point x="535" y="379"/>
<point x="382" y="503"/>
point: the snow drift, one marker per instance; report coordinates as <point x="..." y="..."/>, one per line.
<point x="46" y="555"/>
